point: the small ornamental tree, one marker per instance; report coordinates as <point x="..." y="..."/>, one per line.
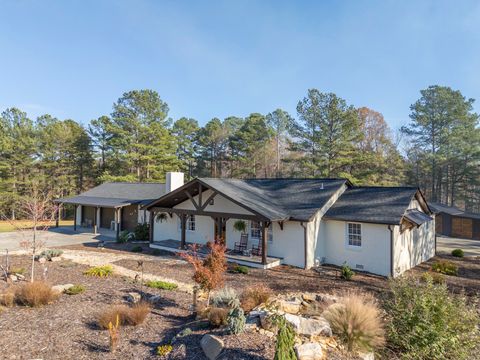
<point x="209" y="271"/>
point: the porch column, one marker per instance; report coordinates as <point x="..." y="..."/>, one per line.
<point x="95" y="220"/>
<point x="75" y="218"/>
<point x="150" y="228"/>
<point x="264" y="242"/>
<point x="117" y="223"/>
<point x="57" y="215"/>
<point x="183" y="223"/>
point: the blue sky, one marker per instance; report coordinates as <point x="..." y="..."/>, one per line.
<point x="73" y="59"/>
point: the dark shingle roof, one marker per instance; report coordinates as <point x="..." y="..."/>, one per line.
<point x="275" y="199"/>
<point x="417" y="217"/>
<point x="451" y="210"/>
<point x="117" y="194"/>
<point x="382" y="205"/>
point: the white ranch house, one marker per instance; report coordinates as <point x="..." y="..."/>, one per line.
<point x="303" y="223"/>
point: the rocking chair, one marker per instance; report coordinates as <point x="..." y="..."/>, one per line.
<point x="242" y="245"/>
<point x="257" y="250"/>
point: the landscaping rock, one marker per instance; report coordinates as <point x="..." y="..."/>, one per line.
<point x="56" y="258"/>
<point x="20" y="277"/>
<point x="290" y="306"/>
<point x="309" y="351"/>
<point x="13" y="277"/>
<point x="309" y="327"/>
<point x="42" y="260"/>
<point x="326" y="298"/>
<point x="61" y="288"/>
<point x="212" y="346"/>
<point x="367" y="356"/>
<point x="134" y="297"/>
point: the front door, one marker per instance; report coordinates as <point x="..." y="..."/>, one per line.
<point x="220" y="229"/>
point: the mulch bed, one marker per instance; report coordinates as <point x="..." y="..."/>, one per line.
<point x="66" y="329"/>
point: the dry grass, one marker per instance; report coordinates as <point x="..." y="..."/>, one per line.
<point x="8" y="298"/>
<point x="356" y="319"/>
<point x="254" y="295"/>
<point x="218" y="316"/>
<point x="35" y="294"/>
<point x="133" y="316"/>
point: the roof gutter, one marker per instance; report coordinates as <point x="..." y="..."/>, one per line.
<point x="305" y="243"/>
<point x="392" y="250"/>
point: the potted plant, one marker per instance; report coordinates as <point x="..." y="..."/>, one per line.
<point x="240" y="226"/>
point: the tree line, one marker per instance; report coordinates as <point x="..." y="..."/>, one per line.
<point x="438" y="150"/>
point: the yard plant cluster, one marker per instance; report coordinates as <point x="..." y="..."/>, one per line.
<point x="417" y="318"/>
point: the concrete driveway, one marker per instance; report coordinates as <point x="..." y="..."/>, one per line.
<point x="54" y="237"/>
<point x="447" y="244"/>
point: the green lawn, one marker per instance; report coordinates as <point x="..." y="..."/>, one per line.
<point x="6" y="226"/>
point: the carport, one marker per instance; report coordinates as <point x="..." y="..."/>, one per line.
<point x="113" y="207"/>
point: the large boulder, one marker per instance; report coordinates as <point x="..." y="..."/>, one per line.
<point x="291" y="306"/>
<point x="309" y="327"/>
<point x="212" y="346"/>
<point x="309" y="351"/>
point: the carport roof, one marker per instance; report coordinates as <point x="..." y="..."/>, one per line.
<point x="117" y="194"/>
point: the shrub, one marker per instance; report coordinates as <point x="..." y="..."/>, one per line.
<point x="51" y="253"/>
<point x="35" y="294"/>
<point x="141" y="232"/>
<point x="137" y="249"/>
<point x="7" y="299"/>
<point x="436" y="278"/>
<point x="100" y="271"/>
<point x="137" y="313"/>
<point x="217" y="316"/>
<point x="445" y="267"/>
<point x="209" y="271"/>
<point x="125" y="236"/>
<point x="356" y="319"/>
<point x="458" y="253"/>
<point x="284" y="349"/>
<point x="427" y="322"/>
<point x="75" y="290"/>
<point x="134" y="315"/>
<point x="164" y="350"/>
<point x="20" y="271"/>
<point x="158" y="284"/>
<point x="226" y="298"/>
<point x="236" y="321"/>
<point x="113" y="333"/>
<point x="157" y="252"/>
<point x="254" y="295"/>
<point x="240" y="269"/>
<point x="346" y="272"/>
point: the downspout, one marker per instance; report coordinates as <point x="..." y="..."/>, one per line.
<point x="305" y="243"/>
<point x="392" y="253"/>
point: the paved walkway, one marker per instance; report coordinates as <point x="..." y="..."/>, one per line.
<point x="447" y="244"/>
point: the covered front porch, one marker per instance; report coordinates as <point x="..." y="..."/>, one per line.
<point x="231" y="255"/>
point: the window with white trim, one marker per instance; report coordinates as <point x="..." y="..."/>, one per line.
<point x="354" y="234"/>
<point x="190" y="225"/>
<point x="256" y="231"/>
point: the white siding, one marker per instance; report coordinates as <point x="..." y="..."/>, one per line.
<point x="79" y="215"/>
<point x="169" y="229"/>
<point x="374" y="254"/>
<point x="413" y="246"/>
<point x="315" y="232"/>
<point x="220" y="204"/>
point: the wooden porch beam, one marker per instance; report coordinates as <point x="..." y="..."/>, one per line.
<point x="192" y="199"/>
<point x="200" y="195"/>
<point x="214" y="214"/>
<point x="210" y="198"/>
<point x="183" y="224"/>
<point x="265" y="225"/>
<point x="150" y="226"/>
<point x="75" y="217"/>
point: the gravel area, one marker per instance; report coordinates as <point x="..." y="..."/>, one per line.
<point x="66" y="329"/>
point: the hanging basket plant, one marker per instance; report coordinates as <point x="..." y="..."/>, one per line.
<point x="240" y="226"/>
<point x="161" y="217"/>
